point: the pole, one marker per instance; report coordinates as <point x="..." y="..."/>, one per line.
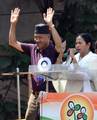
<point x="18" y="94"/>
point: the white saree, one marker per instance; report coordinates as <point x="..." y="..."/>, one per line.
<point x="89" y="66"/>
<point x="86" y="66"/>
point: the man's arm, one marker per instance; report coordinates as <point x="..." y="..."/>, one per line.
<point x="12" y="32"/>
<point x="56" y="37"/>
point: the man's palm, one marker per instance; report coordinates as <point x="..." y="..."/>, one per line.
<point x="49" y="15"/>
<point x="14" y="15"/>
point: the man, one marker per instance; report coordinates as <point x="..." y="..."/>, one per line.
<point x="42" y="48"/>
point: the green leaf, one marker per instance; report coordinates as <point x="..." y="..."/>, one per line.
<point x="77" y="107"/>
<point x="85" y="117"/>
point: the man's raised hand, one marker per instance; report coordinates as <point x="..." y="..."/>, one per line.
<point x="48" y="16"/>
<point x="14" y="15"/>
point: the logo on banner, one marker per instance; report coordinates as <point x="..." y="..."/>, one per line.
<point x="77" y="107"/>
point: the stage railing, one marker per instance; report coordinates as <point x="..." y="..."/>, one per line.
<point x="18" y="74"/>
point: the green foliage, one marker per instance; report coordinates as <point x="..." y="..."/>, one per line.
<point x="78" y="16"/>
<point x="11" y="58"/>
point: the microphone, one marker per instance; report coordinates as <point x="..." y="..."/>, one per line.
<point x="68" y="59"/>
<point x="70" y="54"/>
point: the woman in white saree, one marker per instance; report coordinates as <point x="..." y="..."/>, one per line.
<point x="86" y="62"/>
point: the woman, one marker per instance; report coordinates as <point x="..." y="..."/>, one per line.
<point x="84" y="60"/>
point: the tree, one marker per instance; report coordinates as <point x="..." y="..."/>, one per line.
<point x="78" y="16"/>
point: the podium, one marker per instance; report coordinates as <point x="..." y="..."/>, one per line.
<point x="54" y="74"/>
<point x="65" y="105"/>
<point x="60" y="76"/>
